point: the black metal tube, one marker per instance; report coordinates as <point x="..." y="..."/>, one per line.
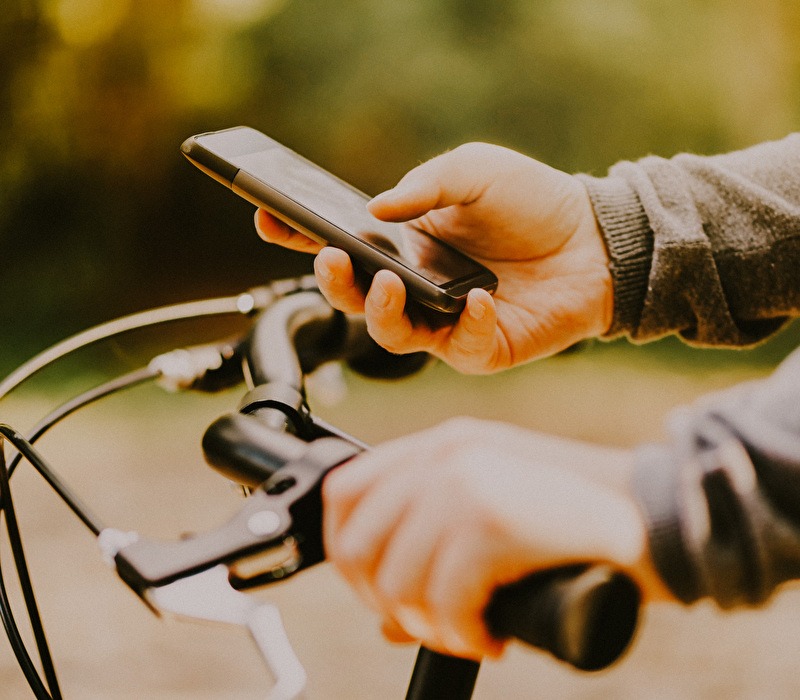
<point x="438" y="676"/>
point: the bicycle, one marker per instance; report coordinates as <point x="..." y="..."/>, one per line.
<point x="278" y="453"/>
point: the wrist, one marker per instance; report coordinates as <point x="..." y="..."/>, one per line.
<point x="626" y="542"/>
<point x="590" y="235"/>
<point x="632" y="554"/>
<point x="605" y="294"/>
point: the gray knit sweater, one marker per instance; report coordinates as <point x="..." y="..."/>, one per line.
<point x="709" y="248"/>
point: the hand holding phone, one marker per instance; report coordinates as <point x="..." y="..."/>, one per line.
<point x="328" y="210"/>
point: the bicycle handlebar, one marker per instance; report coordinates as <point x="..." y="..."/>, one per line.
<point x="585" y="615"/>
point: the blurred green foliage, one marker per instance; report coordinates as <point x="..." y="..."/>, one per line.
<point x="100" y="215"/>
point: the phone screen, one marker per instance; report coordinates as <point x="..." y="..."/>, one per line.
<point x="345" y="207"/>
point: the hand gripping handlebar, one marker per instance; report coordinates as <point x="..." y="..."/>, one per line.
<point x="585" y="615"/>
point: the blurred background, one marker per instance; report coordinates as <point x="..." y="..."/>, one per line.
<point x="100" y="215"/>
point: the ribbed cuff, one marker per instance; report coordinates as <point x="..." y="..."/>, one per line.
<point x="629" y="242"/>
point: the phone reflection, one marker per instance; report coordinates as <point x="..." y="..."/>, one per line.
<point x="418" y="250"/>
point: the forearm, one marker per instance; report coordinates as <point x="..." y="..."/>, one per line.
<point x="707" y="247"/>
<point x="722" y="499"/>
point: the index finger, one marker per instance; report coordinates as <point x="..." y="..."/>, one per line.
<point x="273" y="230"/>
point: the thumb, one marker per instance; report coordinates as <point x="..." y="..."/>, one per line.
<point x="459" y="176"/>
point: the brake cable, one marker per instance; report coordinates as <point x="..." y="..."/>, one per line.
<point x="246" y="303"/>
<point x="243" y="304"/>
<point x="161" y="572"/>
<point x="12" y="631"/>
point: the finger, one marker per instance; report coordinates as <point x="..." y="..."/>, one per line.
<point x="382" y="491"/>
<point x="362" y="501"/>
<point x="337" y="280"/>
<point x="392" y="630"/>
<point x="401" y="575"/>
<point x="350" y="481"/>
<point x="358" y="544"/>
<point x="413" y="623"/>
<point x="472" y="343"/>
<point x="403" y="454"/>
<point x="344" y="519"/>
<point x="273" y="230"/>
<point x="440" y="182"/>
<point x="341" y="491"/>
<point x="457" y="596"/>
<point x="384" y="310"/>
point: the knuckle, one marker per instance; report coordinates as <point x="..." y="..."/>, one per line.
<point x="334" y="490"/>
<point x="388" y="337"/>
<point x="443" y="605"/>
<point x="348" y="559"/>
<point x="466" y="345"/>
<point x="460" y="428"/>
<point x="472" y="149"/>
<point x="390" y="588"/>
<point x="468" y="356"/>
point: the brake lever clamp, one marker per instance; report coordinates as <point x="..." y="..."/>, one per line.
<point x="283" y="515"/>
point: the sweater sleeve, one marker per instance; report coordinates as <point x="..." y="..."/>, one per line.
<point x="706" y="247"/>
<point x="722" y="497"/>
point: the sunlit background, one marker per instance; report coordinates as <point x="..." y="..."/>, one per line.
<point x="100" y="215"/>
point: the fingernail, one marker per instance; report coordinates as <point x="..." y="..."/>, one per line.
<point x="323" y="271"/>
<point x="383" y="196"/>
<point x="476" y="309"/>
<point x="378" y="295"/>
<point x="454" y="642"/>
<point x="414" y="623"/>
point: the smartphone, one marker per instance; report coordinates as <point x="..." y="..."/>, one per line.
<point x="329" y="210"/>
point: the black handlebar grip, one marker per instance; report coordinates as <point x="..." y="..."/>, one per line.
<point x="584" y="615"/>
<point x="365" y="356"/>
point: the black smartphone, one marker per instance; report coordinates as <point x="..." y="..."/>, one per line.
<point x="329" y="210"/>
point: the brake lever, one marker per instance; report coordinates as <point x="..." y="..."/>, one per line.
<point x="276" y="533"/>
<point x="209" y="596"/>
